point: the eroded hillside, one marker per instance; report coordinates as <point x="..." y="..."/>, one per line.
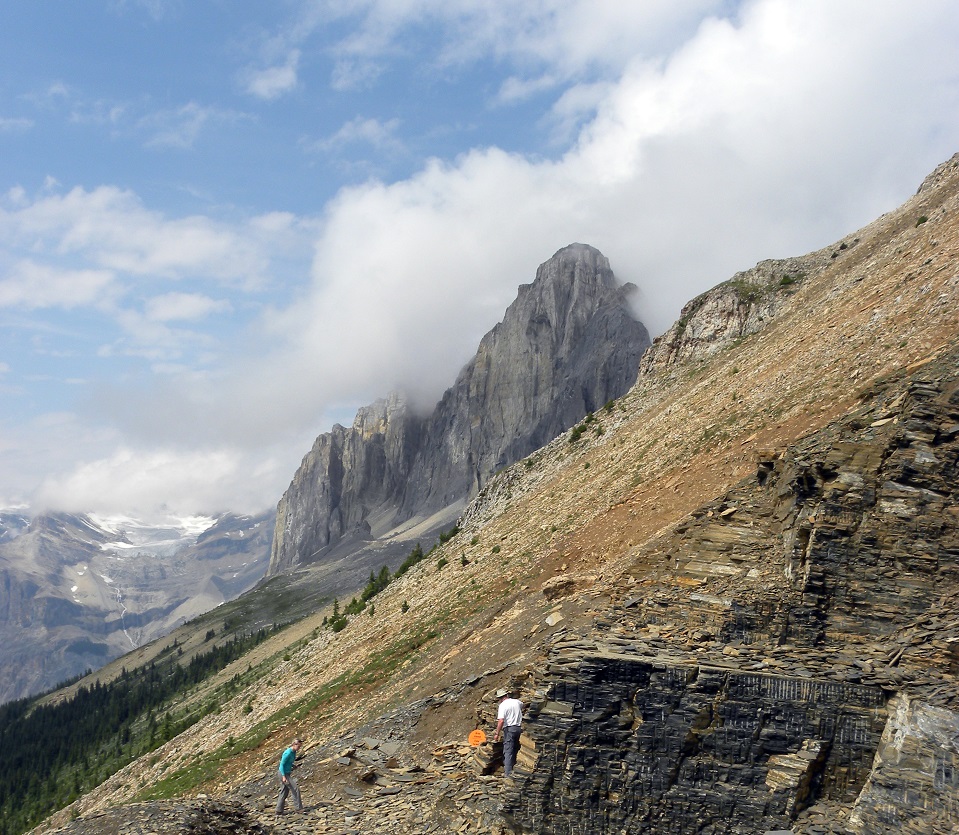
<point x="689" y="535"/>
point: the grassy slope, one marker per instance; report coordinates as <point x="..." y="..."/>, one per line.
<point x="887" y="300"/>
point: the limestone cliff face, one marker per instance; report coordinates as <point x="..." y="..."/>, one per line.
<point x="351" y="478"/>
<point x="566" y="346"/>
<point x="796" y="645"/>
<point x="741" y="306"/>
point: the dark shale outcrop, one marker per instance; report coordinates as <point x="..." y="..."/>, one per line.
<point x="798" y="647"/>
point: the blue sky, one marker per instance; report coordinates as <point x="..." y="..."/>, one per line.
<point x="225" y="225"/>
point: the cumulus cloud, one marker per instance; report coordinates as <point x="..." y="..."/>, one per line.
<point x="274" y="81"/>
<point x="714" y="143"/>
<point x="29" y="285"/>
<point x="744" y="145"/>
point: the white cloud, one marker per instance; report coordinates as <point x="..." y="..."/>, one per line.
<point x="569" y="37"/>
<point x="15" y="124"/>
<point x="763" y="138"/>
<point x="113" y="230"/>
<point x="133" y="479"/>
<point x="151" y="338"/>
<point x="157" y="9"/>
<point x="103" y="113"/>
<point x="559" y="39"/>
<point x="380" y="135"/>
<point x="184" y="307"/>
<point x="182" y="126"/>
<point x="516" y="89"/>
<point x="275" y="81"/>
<point x="49" y="97"/>
<point x="30" y="285"/>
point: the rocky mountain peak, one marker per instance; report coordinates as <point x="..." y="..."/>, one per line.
<point x="566" y="345"/>
<point x="731" y="610"/>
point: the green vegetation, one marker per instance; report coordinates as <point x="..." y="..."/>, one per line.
<point x="446" y="536"/>
<point x="378" y="669"/>
<point x="580" y="428"/>
<point x="922" y="219"/>
<point x="336" y="621"/>
<point x="688" y="312"/>
<point x="52" y="753"/>
<point x="789" y="279"/>
<point x="748" y="291"/>
<point x="374" y="586"/>
<point x="377" y="582"/>
<point x="416" y="555"/>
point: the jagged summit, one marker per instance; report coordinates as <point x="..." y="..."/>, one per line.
<point x="732" y="610"/>
<point x="565" y="346"/>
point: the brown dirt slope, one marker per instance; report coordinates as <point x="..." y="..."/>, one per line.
<point x="558" y="537"/>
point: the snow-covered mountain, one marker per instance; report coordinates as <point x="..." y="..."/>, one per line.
<point x="77" y="591"/>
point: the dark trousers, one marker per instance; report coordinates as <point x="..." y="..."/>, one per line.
<point x="510" y="747"/>
<point x="288" y="787"/>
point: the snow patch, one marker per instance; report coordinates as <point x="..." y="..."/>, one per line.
<point x="135" y="531"/>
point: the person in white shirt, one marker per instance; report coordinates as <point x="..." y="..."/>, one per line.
<point x="509" y="719"/>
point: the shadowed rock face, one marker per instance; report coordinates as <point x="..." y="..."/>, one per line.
<point x="743" y="661"/>
<point x="797" y="648"/>
<point x="566" y="346"/>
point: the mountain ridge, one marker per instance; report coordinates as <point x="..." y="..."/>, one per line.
<point x="587" y="529"/>
<point x="565" y="345"/>
<point x="77" y="591"/>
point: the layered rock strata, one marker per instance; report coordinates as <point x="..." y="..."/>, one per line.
<point x="790" y="645"/>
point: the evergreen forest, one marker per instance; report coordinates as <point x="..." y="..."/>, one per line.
<point x="52" y="752"/>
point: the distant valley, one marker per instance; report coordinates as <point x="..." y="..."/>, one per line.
<point x="77" y="591"/>
<point x="727" y="596"/>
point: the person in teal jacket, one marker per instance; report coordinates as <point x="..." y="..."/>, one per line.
<point x="287" y="783"/>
